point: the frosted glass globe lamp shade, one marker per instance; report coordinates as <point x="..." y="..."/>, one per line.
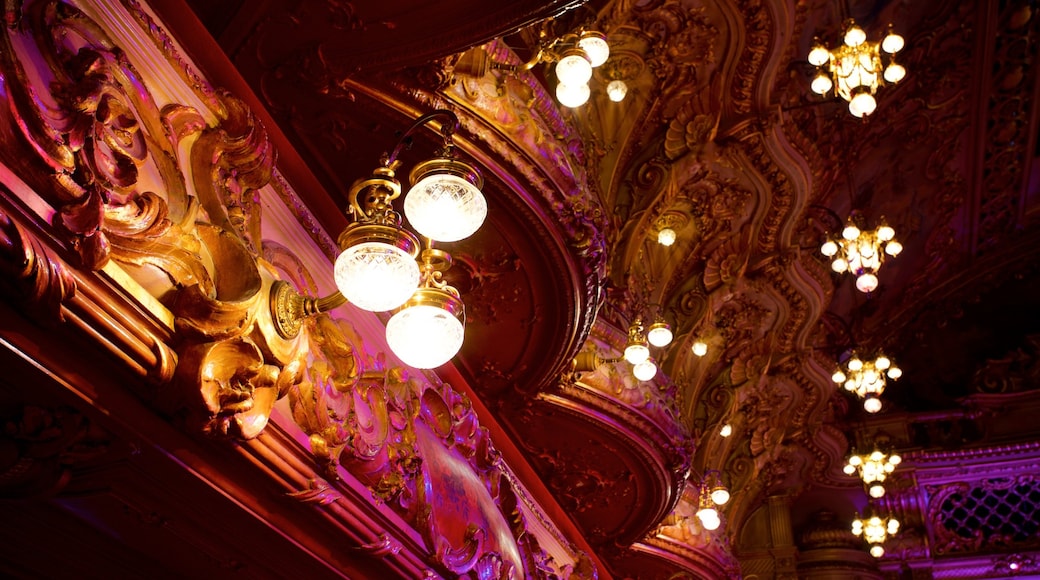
<point x="428" y="330"/>
<point x="892" y="43"/>
<point x="595" y="46"/>
<point x="821" y="84"/>
<point x="445" y="202"/>
<point x="636" y="352"/>
<point x="709" y="518"/>
<point x="720" y="495"/>
<point x="573" y="95"/>
<point x="645" y="370"/>
<point x="659" y="334"/>
<point x="862" y="104"/>
<point x="574" y="68"/>
<point x="377" y="270"/>
<point x="819" y="55"/>
<point x="666" y="236"/>
<point x="616" y="90"/>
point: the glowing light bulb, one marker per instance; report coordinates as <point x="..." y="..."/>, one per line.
<point x="573" y="95"/>
<point x="819" y="55"/>
<point x="616" y="90"/>
<point x="645" y="370"/>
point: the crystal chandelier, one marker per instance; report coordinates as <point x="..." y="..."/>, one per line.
<point x="377" y="269"/>
<point x="873" y="469"/>
<point x="862" y="252"/>
<point x="875" y="530"/>
<point x="856" y="68"/>
<point x="867" y="378"/>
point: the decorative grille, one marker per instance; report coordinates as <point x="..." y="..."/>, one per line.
<point x="994" y="513"/>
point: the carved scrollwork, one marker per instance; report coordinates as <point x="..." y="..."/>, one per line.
<point x="42" y="281"/>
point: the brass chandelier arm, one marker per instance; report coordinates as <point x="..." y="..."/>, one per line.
<point x="289" y="308"/>
<point x="449" y="125"/>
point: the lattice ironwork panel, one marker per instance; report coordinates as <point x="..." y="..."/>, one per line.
<point x="989" y="515"/>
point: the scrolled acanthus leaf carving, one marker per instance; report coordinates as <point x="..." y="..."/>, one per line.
<point x="29" y="269"/>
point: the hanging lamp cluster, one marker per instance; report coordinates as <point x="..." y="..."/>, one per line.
<point x="873" y="469"/>
<point x="384" y="268"/>
<point x="867" y="378"/>
<point x="875" y="530"/>
<point x="857" y="68"/>
<point x="861" y="252"/>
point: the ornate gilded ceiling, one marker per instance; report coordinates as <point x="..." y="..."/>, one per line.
<point x="719" y="128"/>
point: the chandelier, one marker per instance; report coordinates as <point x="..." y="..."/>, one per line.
<point x="855" y="69"/>
<point x="862" y="252"/>
<point x="873" y="469"/>
<point x="378" y="269"/>
<point x="875" y="530"/>
<point x="866" y="378"/>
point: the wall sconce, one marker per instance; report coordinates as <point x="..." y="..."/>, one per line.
<point x="866" y="378"/>
<point x="875" y="530"/>
<point x="637" y="352"/>
<point x="377" y="269"/>
<point x="575" y="55"/>
<point x="873" y="469"/>
<point x="716" y="490"/>
<point x="706" y="511"/>
<point x="855" y="69"/>
<point x="862" y="252"/>
<point x="637" y="348"/>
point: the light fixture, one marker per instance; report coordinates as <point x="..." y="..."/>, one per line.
<point x="716" y="490"/>
<point x="706" y="511"/>
<point x="873" y="469"/>
<point x="636" y="349"/>
<point x="377" y="269"/>
<point x="660" y="333"/>
<point x="575" y="55"/>
<point x="699" y="348"/>
<point x="856" y="69"/>
<point x="726" y="430"/>
<point x="862" y="252"/>
<point x="645" y="370"/>
<point x="427" y="330"/>
<point x="616" y="91"/>
<point x="866" y="378"/>
<point x="666" y="226"/>
<point x="875" y="530"/>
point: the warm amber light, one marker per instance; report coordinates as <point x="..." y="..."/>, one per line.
<point x="700" y="348"/>
<point x="616" y="90"/>
<point x="445" y="202"/>
<point x="645" y="370"/>
<point x="574" y="68"/>
<point x="666" y="236"/>
<point x="573" y="95"/>
<point x="376" y="276"/>
<point x="427" y="332"/>
<point x="595" y="46"/>
<point x="659" y="334"/>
